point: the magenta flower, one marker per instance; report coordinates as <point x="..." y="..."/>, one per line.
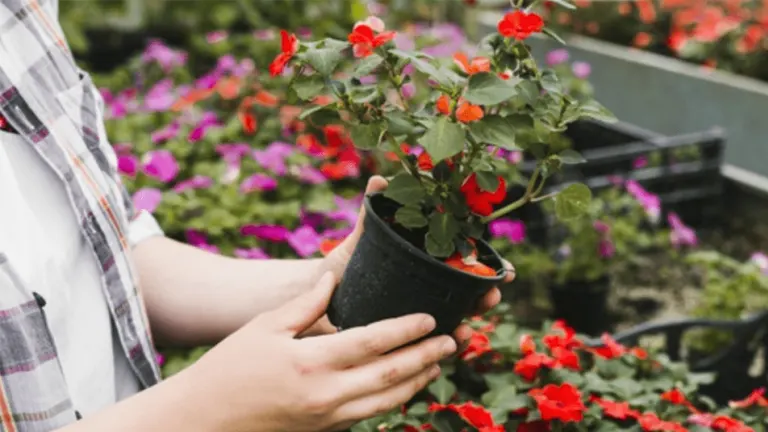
<point x="680" y="234"/>
<point x="512" y="230"/>
<point x="273" y="157"/>
<point x="605" y="248"/>
<point x="252" y="253"/>
<point x="245" y="67"/>
<point x="232" y="151"/>
<point x="556" y="57"/>
<point x="147" y="199"/>
<point x="216" y="36"/>
<point x="305" y="241"/>
<point x="409" y="89"/>
<point x="309" y="174"/>
<point x="208" y="81"/>
<point x="761" y="261"/>
<point x="226" y="63"/>
<point x="650" y="202"/>
<point x="601" y="227"/>
<point x="273" y="233"/>
<point x="128" y="164"/>
<point x="160" y="96"/>
<point x="122" y="148"/>
<point x="258" y="182"/>
<point x="266" y="34"/>
<point x="640" y="162"/>
<point x="304" y="32"/>
<point x="207" y="121"/>
<point x="166" y="133"/>
<point x="196" y="182"/>
<point x="160" y="164"/>
<point x="159" y="359"/>
<point x="338" y="233"/>
<point x="346" y="210"/>
<point x="199" y="240"/>
<point x="581" y="69"/>
<point x="166" y="57"/>
<point x="368" y="80"/>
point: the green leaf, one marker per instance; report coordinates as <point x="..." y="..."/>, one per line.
<point x="488" y="89"/>
<point x="626" y="388"/>
<point x="405" y="189"/>
<point x="571" y="157"/>
<point x="551" y="33"/>
<point x="529" y="92"/>
<point x="323" y="60"/>
<point x="496" y="130"/>
<point x="443" y="140"/>
<point x="309" y="111"/>
<point x="442" y="389"/>
<point x="438" y="249"/>
<point x="595" y="110"/>
<point x="507" y="398"/>
<point x="410" y="216"/>
<point x="487" y="181"/>
<point x="418" y="409"/>
<point x="443" y="227"/>
<point x="367" y="65"/>
<point x="572" y="202"/>
<point x="366" y="136"/>
<point x="398" y="123"/>
<point x="423" y="66"/>
<point x="366" y="95"/>
<point x="307" y="87"/>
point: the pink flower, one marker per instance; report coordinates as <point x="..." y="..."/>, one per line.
<point x="409" y="90"/>
<point x="346" y="210"/>
<point x="147" y="199"/>
<point x="273" y="233"/>
<point x="166" y="57"/>
<point x="252" y="253"/>
<point x="166" y="133"/>
<point x="226" y="63"/>
<point x="196" y="182"/>
<point x="556" y="57"/>
<point x="640" y="162"/>
<point x="761" y="261"/>
<point x="310" y="175"/>
<point x="267" y="34"/>
<point x="160" y="164"/>
<point x="160" y="96"/>
<point x="216" y="36"/>
<point x="305" y="241"/>
<point x="199" y="240"/>
<point x="273" y="157"/>
<point x="258" y="182"/>
<point x="208" y="120"/>
<point x="128" y="164"/>
<point x="601" y="227"/>
<point x="160" y="359"/>
<point x="680" y="234"/>
<point x="581" y="70"/>
<point x="605" y="248"/>
<point x="512" y="230"/>
<point x="650" y="202"/>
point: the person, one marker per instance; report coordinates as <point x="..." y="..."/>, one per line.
<point x="88" y="285"/>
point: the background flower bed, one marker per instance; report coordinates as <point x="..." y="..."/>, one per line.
<point x="217" y="151"/>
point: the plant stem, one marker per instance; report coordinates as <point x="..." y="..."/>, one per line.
<point x="398" y="86"/>
<point x="517" y="204"/>
<point x="403" y="158"/>
<point x="543" y="197"/>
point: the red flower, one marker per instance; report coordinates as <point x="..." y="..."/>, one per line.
<point x="470" y="265"/>
<point x="520" y="25"/>
<point x="475" y="415"/>
<point x="729" y="424"/>
<point x="443" y="105"/>
<point x="566" y="339"/>
<point x="477" y="65"/>
<point x="424" y="427"/>
<point x="566" y="358"/>
<point x="480" y="201"/>
<point x="639" y="353"/>
<point x="527" y="345"/>
<point x="335" y="136"/>
<point x="757" y="398"/>
<point x="561" y="402"/>
<point x="610" y="349"/>
<point x="248" y="121"/>
<point x="339" y="170"/>
<point x="616" y="410"/>
<point x="364" y="40"/>
<point x="479" y="344"/>
<point x="289" y="44"/>
<point x="528" y="367"/>
<point x="650" y="422"/>
<point x="674" y="396"/>
<point x="425" y="162"/>
<point x="467" y="112"/>
<point x="328" y="245"/>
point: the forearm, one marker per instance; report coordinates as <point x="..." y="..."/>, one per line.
<point x="194" y="297"/>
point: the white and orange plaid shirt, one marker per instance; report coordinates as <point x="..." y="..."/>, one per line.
<point x="55" y="107"/>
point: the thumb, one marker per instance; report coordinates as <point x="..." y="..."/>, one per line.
<point x="375" y="184"/>
<point x="302" y="312"/>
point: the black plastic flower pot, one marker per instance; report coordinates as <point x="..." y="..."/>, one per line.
<point x="583" y="305"/>
<point x="389" y="275"/>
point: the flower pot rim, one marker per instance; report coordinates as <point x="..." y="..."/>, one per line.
<point x="370" y="212"/>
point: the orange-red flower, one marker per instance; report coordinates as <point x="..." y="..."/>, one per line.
<point x="248" y="120"/>
<point x="520" y="25"/>
<point x="566" y="358"/>
<point x="477" y="65"/>
<point x="266" y="99"/>
<point x="424" y="161"/>
<point x="651" y="422"/>
<point x="527" y="345"/>
<point x="229" y="87"/>
<point x="364" y="40"/>
<point x="528" y="367"/>
<point x="610" y="349"/>
<point x="478" y="345"/>
<point x="328" y="245"/>
<point x="480" y="201"/>
<point x="470" y="265"/>
<point x="192" y="97"/>
<point x="616" y="410"/>
<point x="289" y="44"/>
<point x="467" y="113"/>
<point x="642" y="40"/>
<point x="756" y="398"/>
<point x="561" y="402"/>
<point x="564" y="338"/>
<point x="475" y="415"/>
<point x="443" y="105"/>
<point x="339" y="170"/>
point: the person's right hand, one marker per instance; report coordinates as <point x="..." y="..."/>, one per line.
<point x="262" y="378"/>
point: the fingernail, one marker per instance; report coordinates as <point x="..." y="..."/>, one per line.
<point x="434" y="372"/>
<point x="448" y="347"/>
<point x="428" y="324"/>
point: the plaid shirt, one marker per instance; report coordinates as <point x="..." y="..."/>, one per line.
<point x="55" y="107"/>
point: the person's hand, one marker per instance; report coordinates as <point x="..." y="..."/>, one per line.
<point x="337" y="260"/>
<point x="262" y="378"/>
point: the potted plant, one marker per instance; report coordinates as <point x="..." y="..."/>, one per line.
<point x="421" y="250"/>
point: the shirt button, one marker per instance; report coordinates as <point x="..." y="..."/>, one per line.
<point x="77" y="415"/>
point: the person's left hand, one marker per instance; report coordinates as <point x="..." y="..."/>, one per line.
<point x="337" y="260"/>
